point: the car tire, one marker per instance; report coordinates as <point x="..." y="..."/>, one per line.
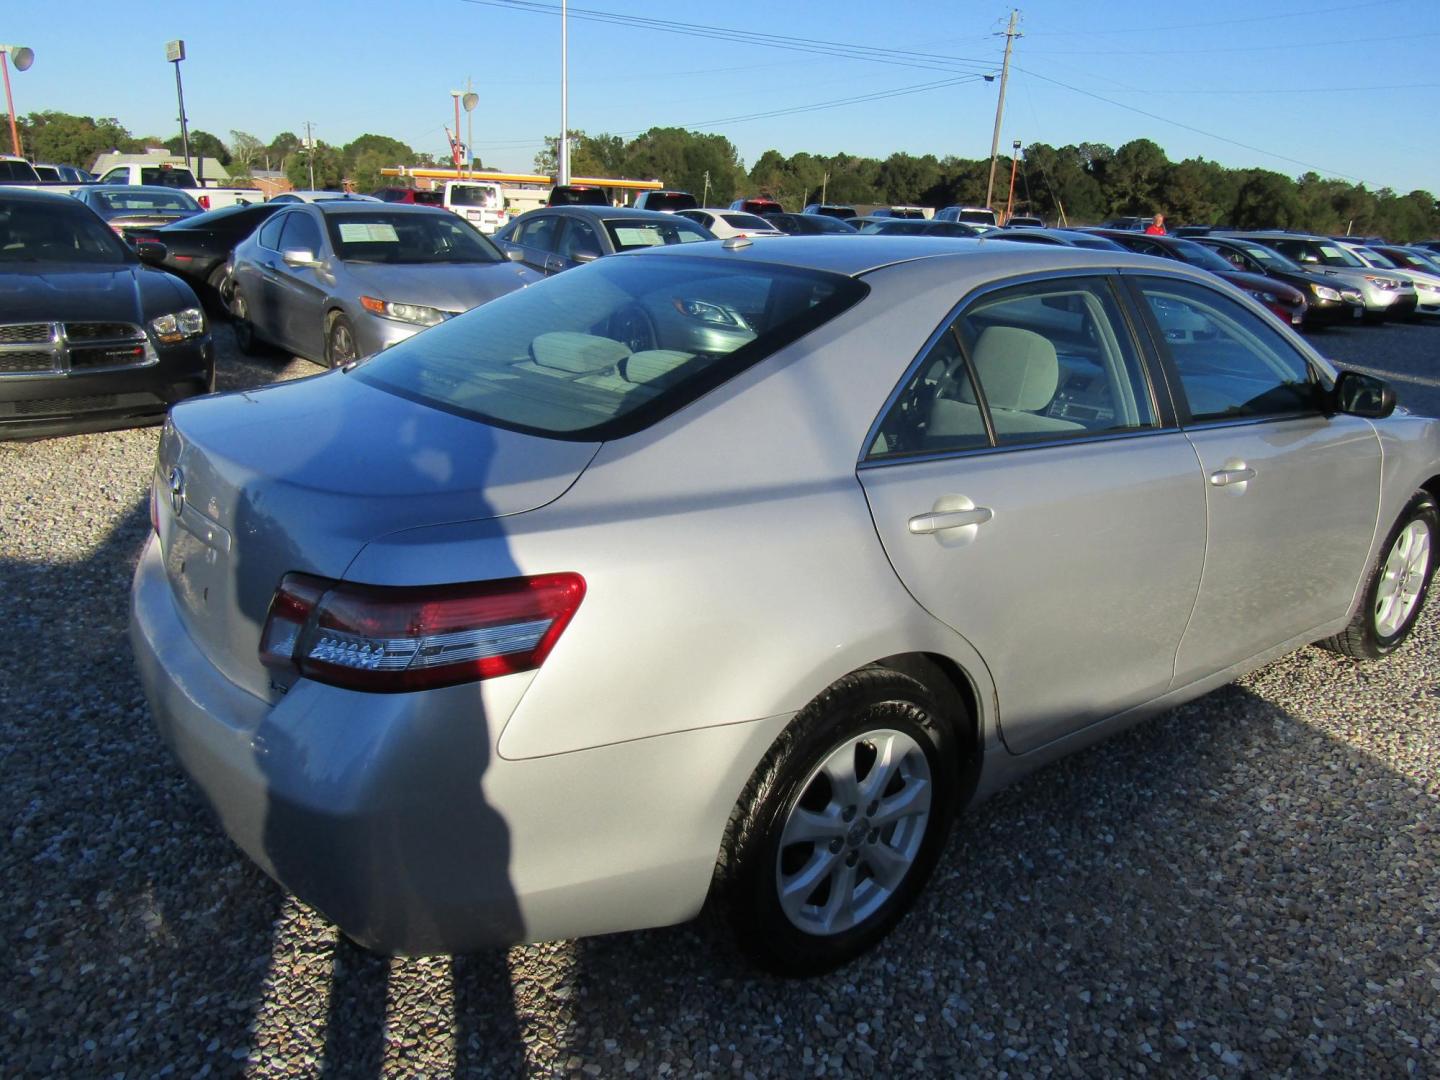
<point x="1395" y="593"/>
<point x="814" y="870"/>
<point x="219" y="285"/>
<point x="246" y="339"/>
<point x="340" y="346"/>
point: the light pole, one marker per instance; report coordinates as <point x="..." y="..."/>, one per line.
<point x="22" y="58"/>
<point x="1014" y="165"/>
<point x="563" y="161"/>
<point x="470" y="100"/>
<point x="175" y="52"/>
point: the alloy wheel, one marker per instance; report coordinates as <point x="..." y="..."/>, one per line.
<point x="1403" y="578"/>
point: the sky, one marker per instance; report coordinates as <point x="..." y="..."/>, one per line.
<point x="1346" y="90"/>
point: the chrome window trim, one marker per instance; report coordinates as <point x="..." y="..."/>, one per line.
<point x="1120" y="296"/>
<point x="1010" y="448"/>
<point x="59" y="346"/>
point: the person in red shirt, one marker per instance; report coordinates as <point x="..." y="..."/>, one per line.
<point x="1156" y="226"/>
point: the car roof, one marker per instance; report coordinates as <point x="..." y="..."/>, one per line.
<point x="610" y="213"/>
<point x="22" y="194"/>
<point x="853" y="256"/>
<point x="333" y="207"/>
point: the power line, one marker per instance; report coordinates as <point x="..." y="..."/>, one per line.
<point x="1289" y="46"/>
<point x="1306" y="13"/>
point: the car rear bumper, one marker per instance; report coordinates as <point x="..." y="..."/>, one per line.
<point x="394" y="815"/>
<point x="67" y="403"/>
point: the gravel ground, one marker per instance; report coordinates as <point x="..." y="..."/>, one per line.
<point x="1247" y="885"/>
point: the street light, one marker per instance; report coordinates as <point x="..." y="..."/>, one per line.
<point x="470" y="100"/>
<point x="1014" y="164"/>
<point x="22" y="58"/>
<point x="175" y="52"/>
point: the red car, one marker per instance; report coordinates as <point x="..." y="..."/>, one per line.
<point x="409" y="196"/>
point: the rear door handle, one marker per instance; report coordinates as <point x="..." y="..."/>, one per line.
<point x="923" y="524"/>
<point x="1226" y="477"/>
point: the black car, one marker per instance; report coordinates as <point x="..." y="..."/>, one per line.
<point x="90" y="339"/>
<point x="834" y="210"/>
<point x="578" y="195"/>
<point x="198" y="248"/>
<point x="810" y="224"/>
<point x="129" y="206"/>
<point x="1330" y="300"/>
<point x="558" y="237"/>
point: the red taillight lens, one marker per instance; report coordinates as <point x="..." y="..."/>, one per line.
<point x="204" y="201"/>
<point x="386" y="640"/>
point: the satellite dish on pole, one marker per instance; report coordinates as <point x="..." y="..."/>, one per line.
<point x="470" y="100"/>
<point x="21" y="57"/>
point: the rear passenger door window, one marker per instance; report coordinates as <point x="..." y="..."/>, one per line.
<point x="301" y="234"/>
<point x="1229" y="363"/>
<point x="1030" y="364"/>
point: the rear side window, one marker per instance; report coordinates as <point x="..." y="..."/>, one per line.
<point x="181" y="178"/>
<point x="269" y="235"/>
<point x="301" y="233"/>
<point x="537" y="233"/>
<point x="609" y="348"/>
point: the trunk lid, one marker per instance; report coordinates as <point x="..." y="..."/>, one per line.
<point x="300" y="476"/>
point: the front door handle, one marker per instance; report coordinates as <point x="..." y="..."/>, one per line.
<point x="923" y="524"/>
<point x="1226" y="477"/>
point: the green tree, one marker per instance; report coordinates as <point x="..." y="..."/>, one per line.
<point x="281" y="147"/>
<point x="63" y="139"/>
<point x="202" y="144"/>
<point x="329" y="166"/>
<point x="1266" y="200"/>
<point x="245" y="151"/>
<point x="1133" y="177"/>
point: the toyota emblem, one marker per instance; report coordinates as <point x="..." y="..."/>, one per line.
<point x="177" y="489"/>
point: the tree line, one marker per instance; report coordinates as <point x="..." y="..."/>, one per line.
<point x="1083" y="183"/>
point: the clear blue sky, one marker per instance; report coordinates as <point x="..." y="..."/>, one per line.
<point x="1349" y="89"/>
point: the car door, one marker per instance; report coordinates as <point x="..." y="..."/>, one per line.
<point x="301" y="290"/>
<point x="578" y="242"/>
<point x="258" y="279"/>
<point x="535" y="237"/>
<point x="1292" y="494"/>
<point x="1033" y="493"/>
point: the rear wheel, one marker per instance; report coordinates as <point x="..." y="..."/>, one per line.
<point x="1395" y="593"/>
<point x="340" y="347"/>
<point x="246" y="340"/>
<point x="219" y="284"/>
<point x="841" y="825"/>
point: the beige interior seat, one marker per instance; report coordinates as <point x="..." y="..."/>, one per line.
<point x="1020" y="373"/>
<point x="566" y="354"/>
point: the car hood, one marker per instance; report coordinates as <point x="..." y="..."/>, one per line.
<point x="61" y="292"/>
<point x="299" y="476"/>
<point x="1260" y="283"/>
<point x="447" y="286"/>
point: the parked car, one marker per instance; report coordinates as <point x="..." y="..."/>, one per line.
<point x="334" y="281"/>
<point x="409" y="196"/>
<point x="480" y="202"/>
<point x="578" y="195"/>
<point x="724" y="223"/>
<point x="973" y="215"/>
<point x="179" y="178"/>
<point x="812" y="224"/>
<point x="908" y="213"/>
<point x="1022" y="221"/>
<point x="311" y="196"/>
<point x="1329" y="299"/>
<point x="1386" y="296"/>
<point x="833" y="210"/>
<point x="198" y="248"/>
<point x="897" y="226"/>
<point x="1129" y="223"/>
<point x="16" y="170"/>
<point x="667" y="202"/>
<point x="514" y="632"/>
<point x="757" y="204"/>
<point x="1428" y="245"/>
<point x="1056" y="237"/>
<point x="1426" y="282"/>
<point x="1285" y="302"/>
<point x="557" y="238"/>
<point x="90" y="338"/>
<point x="124" y="208"/>
<point x="62" y="174"/>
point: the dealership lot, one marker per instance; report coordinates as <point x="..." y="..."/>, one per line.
<point x="1245" y="884"/>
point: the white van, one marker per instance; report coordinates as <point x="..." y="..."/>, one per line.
<point x="480" y="202"/>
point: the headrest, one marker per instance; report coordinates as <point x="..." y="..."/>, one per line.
<point x="1017" y="368"/>
<point x="579" y="354"/>
<point x="651" y="365"/>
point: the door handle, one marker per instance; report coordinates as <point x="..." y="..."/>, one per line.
<point x="1226" y="477"/>
<point x="924" y="524"/>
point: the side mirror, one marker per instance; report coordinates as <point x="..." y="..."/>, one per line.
<point x="514" y="254"/>
<point x="299" y="257"/>
<point x="585" y="256"/>
<point x="150" y="252"/>
<point x="1358" y="394"/>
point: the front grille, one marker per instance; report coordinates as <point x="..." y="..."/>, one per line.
<point x="24" y="333"/>
<point x="65" y="406"/>
<point x="105" y="356"/>
<point x="26" y="361"/>
<point x="103" y="331"/>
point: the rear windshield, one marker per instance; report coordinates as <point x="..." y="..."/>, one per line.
<point x="670" y="200"/>
<point x="826" y="224"/>
<point x="18" y="170"/>
<point x="39" y="232"/>
<point x="165" y="177"/>
<point x="627" y="234"/>
<point x="578" y="196"/>
<point x="141" y="199"/>
<point x="746" y="221"/>
<point x="474" y="195"/>
<point x="607" y="349"/>
<point x="384" y="236"/>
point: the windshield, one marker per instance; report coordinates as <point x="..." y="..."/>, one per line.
<point x="670" y="200"/>
<point x="1376" y="259"/>
<point x="386" y="236"/>
<point x="37" y="232"/>
<point x="1202" y="257"/>
<point x="1268" y="258"/>
<point x="474" y="195"/>
<point x="747" y="221"/>
<point x="822" y="223"/>
<point x="609" y="348"/>
<point x="145" y="200"/>
<point x="627" y="234"/>
<point x="1331" y="255"/>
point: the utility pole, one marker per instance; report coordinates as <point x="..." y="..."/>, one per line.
<point x="310" y="153"/>
<point x="563" y="160"/>
<point x="1010" y="35"/>
<point x="705" y="198"/>
<point x="824" y="187"/>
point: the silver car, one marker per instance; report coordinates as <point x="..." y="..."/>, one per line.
<point x="515" y="632"/>
<point x="337" y="280"/>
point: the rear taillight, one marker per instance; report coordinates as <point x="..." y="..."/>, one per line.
<point x="204" y="201"/>
<point x="386" y="640"/>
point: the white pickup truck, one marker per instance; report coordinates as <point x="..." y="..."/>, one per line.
<point x="480" y="202"/>
<point x="182" y="179"/>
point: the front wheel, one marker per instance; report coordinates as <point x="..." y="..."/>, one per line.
<point x="841" y="825"/>
<point x="1396" y="591"/>
<point x="340" y="347"/>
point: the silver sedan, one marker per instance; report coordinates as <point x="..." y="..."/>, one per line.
<point x="337" y="280"/>
<point x="516" y="631"/>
